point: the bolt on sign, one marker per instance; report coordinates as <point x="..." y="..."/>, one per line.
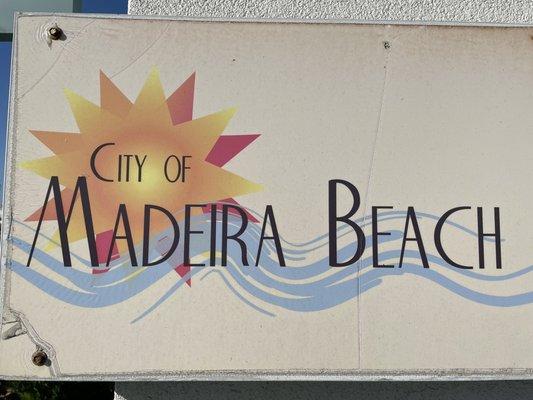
<point x="221" y="199"/>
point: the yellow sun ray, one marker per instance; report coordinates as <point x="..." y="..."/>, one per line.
<point x="142" y="128"/>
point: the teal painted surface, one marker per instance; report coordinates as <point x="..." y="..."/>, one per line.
<point x="9" y="7"/>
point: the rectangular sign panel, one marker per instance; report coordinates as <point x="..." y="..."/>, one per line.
<point x="199" y="199"/>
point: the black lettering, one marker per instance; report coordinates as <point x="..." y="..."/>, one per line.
<point x="333" y="219"/>
<point x="411" y="216"/>
<point x="438" y="238"/>
<point x="375" y="237"/>
<point x="481" y="235"/>
<point x="146" y="234"/>
<point x="269" y="215"/>
<point x="122" y="214"/>
<point x="63" y="222"/>
<point x="187" y="235"/>
<point x="235" y="236"/>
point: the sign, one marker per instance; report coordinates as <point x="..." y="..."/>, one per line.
<point x="198" y="199"/>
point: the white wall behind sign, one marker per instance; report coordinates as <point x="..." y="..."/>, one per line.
<point x="487" y="11"/>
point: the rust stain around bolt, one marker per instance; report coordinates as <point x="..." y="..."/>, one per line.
<point x="39" y="358"/>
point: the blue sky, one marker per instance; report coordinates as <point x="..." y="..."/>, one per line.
<point x="105" y="6"/>
<point x="87" y="6"/>
<point x="5" y="60"/>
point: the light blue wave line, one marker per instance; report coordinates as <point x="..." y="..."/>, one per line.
<point x="319" y="294"/>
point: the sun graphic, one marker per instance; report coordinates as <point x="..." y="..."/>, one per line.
<point x="151" y="129"/>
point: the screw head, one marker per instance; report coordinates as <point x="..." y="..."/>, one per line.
<point x="55" y="33"/>
<point x="39" y="358"/>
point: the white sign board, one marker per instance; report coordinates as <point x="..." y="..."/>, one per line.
<point x="200" y="199"/>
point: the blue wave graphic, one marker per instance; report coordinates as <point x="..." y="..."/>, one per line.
<point x="313" y="286"/>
